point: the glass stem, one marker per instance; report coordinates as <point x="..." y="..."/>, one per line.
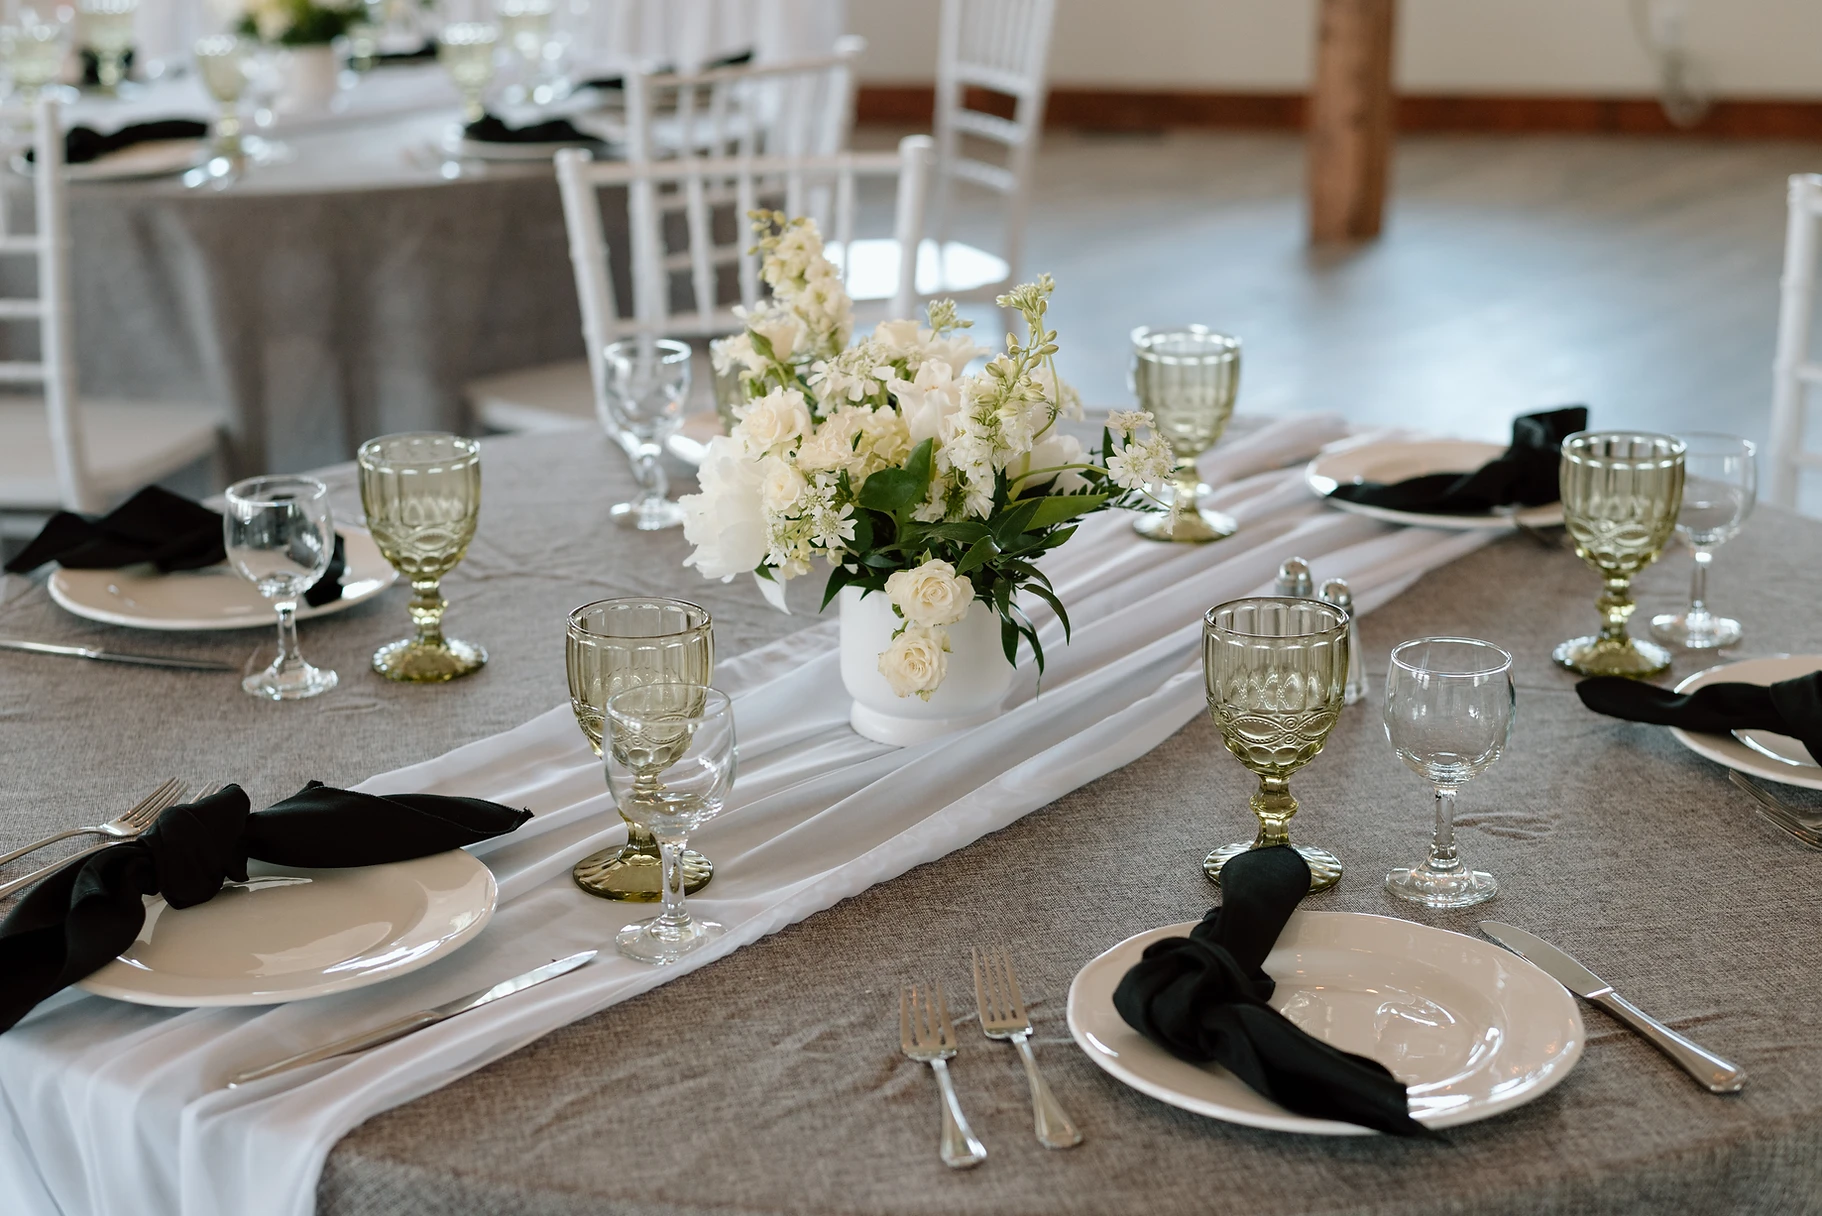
<point x="1442" y="845"/>
<point x="288" y="659"/>
<point x="1274" y="806"/>
<point x="1615" y="604"/>
<point x="227" y="131"/>
<point x="673" y="917"/>
<point x="426" y="608"/>
<point x="653" y="484"/>
<point x="1698" y="585"/>
<point x="1183" y="492"/>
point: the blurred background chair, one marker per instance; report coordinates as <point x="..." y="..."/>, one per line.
<point x="1793" y="372"/>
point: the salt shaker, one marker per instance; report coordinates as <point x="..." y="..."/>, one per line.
<point x="1335" y="592"/>
<point x="1294" y="579"/>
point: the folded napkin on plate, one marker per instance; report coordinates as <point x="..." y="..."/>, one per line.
<point x="1523" y="475"/>
<point x="91" y="66"/>
<point x="84" y="144"/>
<point x="616" y="84"/>
<point x="493" y="130"/>
<point x="1203" y="998"/>
<point x="156" y="526"/>
<point x="427" y="51"/>
<point x="1789" y="707"/>
<point x="85" y="914"/>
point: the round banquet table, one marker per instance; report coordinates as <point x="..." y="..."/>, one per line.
<point x="771" y="1081"/>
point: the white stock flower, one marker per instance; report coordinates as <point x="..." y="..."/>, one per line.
<point x="1134" y="466"/>
<point x="931" y="594"/>
<point x="726" y="520"/>
<point x="781" y="486"/>
<point x="774" y="421"/>
<point x="916" y="661"/>
<point x="1125" y="422"/>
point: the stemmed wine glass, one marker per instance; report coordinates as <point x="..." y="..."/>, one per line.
<point x="1448" y="712"/>
<point x="422" y="495"/>
<point x="279" y="537"/>
<point x="1187" y="378"/>
<point x="645" y="382"/>
<point x="615" y="644"/>
<point x="670" y="763"/>
<point x="1276" y="673"/>
<point x="107" y="30"/>
<point x="1720" y="485"/>
<point x="33" y="49"/>
<point x="1621" y="493"/>
<point x="466" y="51"/>
<point x="222" y="62"/>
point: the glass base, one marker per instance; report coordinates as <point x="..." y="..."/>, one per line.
<point x="625" y="873"/>
<point x="1186" y="528"/>
<point x="1596" y="656"/>
<point x="1325" y="867"/>
<point x="653" y="516"/>
<point x="1460" y="888"/>
<point x="410" y="662"/>
<point x="649" y="941"/>
<point x="1711" y="631"/>
<point x="294" y="685"/>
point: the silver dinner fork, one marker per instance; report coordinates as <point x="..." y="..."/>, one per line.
<point x="1002" y="1010"/>
<point x="1806" y="828"/>
<point x="928" y="1036"/>
<point x="148" y="811"/>
<point x="125" y="827"/>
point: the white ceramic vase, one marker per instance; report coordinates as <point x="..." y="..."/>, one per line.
<point x="978" y="679"/>
<point x="309" y="77"/>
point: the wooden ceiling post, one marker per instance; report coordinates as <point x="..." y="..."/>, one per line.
<point x="1350" y="119"/>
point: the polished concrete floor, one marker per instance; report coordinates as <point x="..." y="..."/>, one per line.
<point x="1636" y="275"/>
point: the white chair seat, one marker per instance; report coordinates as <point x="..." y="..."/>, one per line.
<point x="554" y="397"/>
<point x="951" y="269"/>
<point x="128" y="443"/>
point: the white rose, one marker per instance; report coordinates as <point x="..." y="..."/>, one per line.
<point x="916" y="661"/>
<point x="780" y="485"/>
<point x="773" y="421"/>
<point x="832" y="446"/>
<point x="781" y="329"/>
<point x="931" y="595"/>
<point x="726" y="521"/>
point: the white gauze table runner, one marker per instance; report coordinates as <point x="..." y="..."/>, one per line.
<point x="116" y="1109"/>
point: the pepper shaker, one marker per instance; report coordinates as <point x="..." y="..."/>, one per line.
<point x="1335" y="592"/>
<point x="1294" y="579"/>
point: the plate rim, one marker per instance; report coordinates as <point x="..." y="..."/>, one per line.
<point x="455" y="941"/>
<point x="1323" y="485"/>
<point x="1295" y="1124"/>
<point x="1731" y="752"/>
<point x="60" y="595"/>
<point x="95" y="170"/>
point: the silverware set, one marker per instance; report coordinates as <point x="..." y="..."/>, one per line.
<point x="927" y="1035"/>
<point x="1780" y="814"/>
<point x="127" y="826"/>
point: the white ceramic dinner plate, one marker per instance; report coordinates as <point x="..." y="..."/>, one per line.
<point x="154" y="158"/>
<point x="211" y="598"/>
<point x="287" y="934"/>
<point x="1396" y="459"/>
<point x="1472" y="1029"/>
<point x="484" y="149"/>
<point x="1760" y="753"/>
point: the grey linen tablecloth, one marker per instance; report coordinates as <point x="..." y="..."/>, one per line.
<point x="771" y="1082"/>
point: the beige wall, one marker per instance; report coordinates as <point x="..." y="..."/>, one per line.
<point x="1745" y="48"/>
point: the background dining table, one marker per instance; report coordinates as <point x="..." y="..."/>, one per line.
<point x="771" y="1081"/>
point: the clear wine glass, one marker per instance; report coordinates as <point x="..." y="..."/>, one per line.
<point x="280" y="537"/>
<point x="466" y="51"/>
<point x="670" y="763"/>
<point x="33" y="49"/>
<point x="645" y="382"/>
<point x="107" y="30"/>
<point x="1720" y="485"/>
<point x="223" y="64"/>
<point x="1448" y="713"/>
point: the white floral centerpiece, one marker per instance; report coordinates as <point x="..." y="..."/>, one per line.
<point x="908" y="475"/>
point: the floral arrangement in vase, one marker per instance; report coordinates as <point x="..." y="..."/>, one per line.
<point x="909" y="476"/>
<point x="299" y="22"/>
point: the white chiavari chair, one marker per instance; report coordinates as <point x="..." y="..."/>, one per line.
<point x="1002" y="46"/>
<point x="55" y="449"/>
<point x="1793" y="371"/>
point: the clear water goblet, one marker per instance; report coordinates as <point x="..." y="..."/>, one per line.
<point x="280" y="537"/>
<point x="107" y="30"/>
<point x="1448" y="714"/>
<point x="615" y="644"/>
<point x="1187" y="378"/>
<point x="466" y="51"/>
<point x="1720" y="485"/>
<point x="222" y="63"/>
<point x="645" y="382"/>
<point x="34" y="50"/>
<point x="670" y="762"/>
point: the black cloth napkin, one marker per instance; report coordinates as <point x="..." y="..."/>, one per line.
<point x="427" y="51"/>
<point x="617" y="84"/>
<point x="493" y="130"/>
<point x="86" y="913"/>
<point x="84" y="144"/>
<point x="1789" y="707"/>
<point x="91" y="66"/>
<point x="1203" y="998"/>
<point x="1523" y="475"/>
<point x="167" y="530"/>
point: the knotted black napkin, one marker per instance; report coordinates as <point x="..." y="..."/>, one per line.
<point x="426" y="52"/>
<point x="1523" y="475"/>
<point x="492" y="129"/>
<point x="617" y="84"/>
<point x="85" y="914"/>
<point x="156" y="526"/>
<point x="1789" y="707"/>
<point x="1203" y="998"/>
<point x="84" y="144"/>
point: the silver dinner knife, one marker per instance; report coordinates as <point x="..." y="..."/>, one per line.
<point x="1718" y="1075"/>
<point x="401" y="1027"/>
<point x="115" y="656"/>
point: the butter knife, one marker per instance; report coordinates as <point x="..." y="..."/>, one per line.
<point x="401" y="1027"/>
<point x="115" y="656"/>
<point x="1718" y="1075"/>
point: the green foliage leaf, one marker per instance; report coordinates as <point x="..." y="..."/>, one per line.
<point x="978" y="554"/>
<point x="1057" y="508"/>
<point x="896" y="491"/>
